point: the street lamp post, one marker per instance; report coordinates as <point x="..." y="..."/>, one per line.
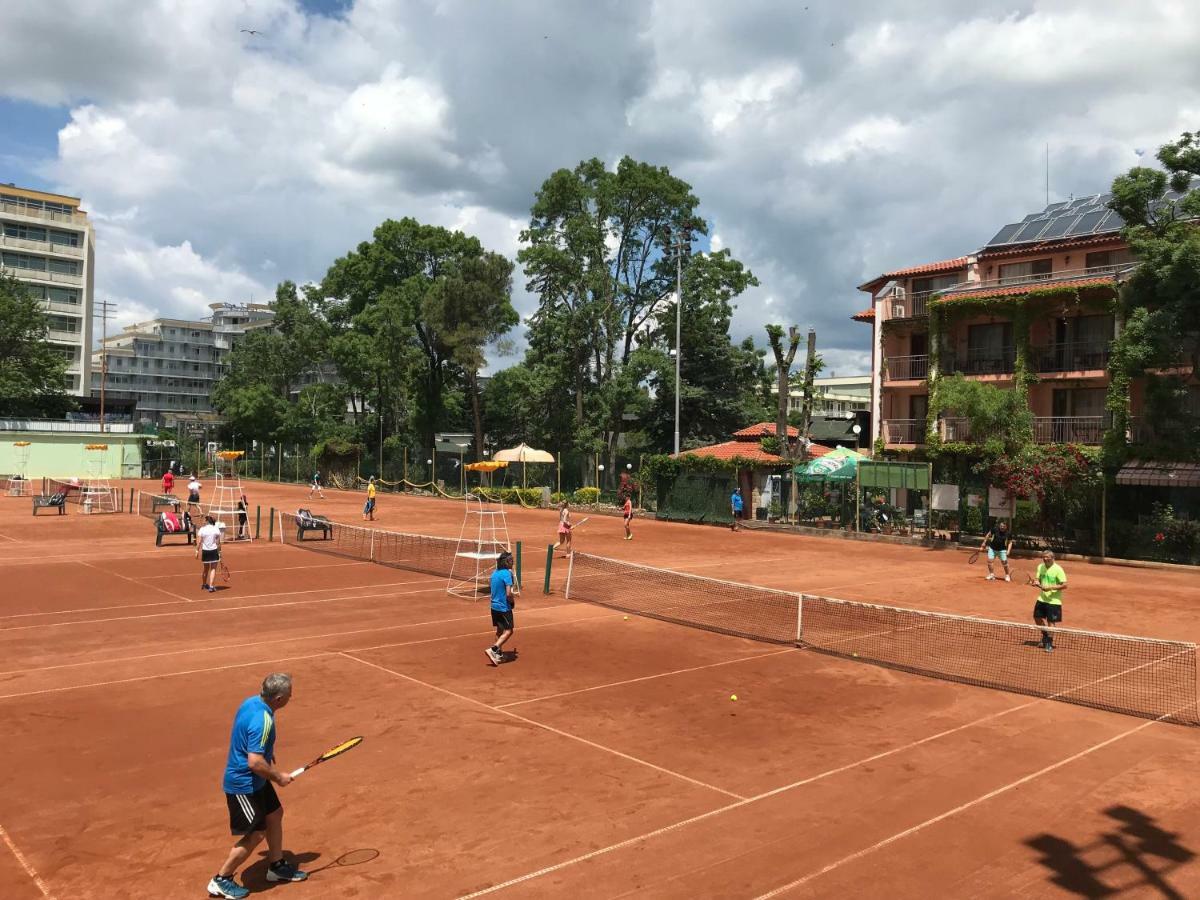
<point x="678" y="320"/>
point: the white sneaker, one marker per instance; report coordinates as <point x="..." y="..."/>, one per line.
<point x="1008" y="578"/>
<point x="493" y="656"/>
<point x="991" y="577"/>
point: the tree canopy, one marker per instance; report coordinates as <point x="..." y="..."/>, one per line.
<point x="32" y="372"/>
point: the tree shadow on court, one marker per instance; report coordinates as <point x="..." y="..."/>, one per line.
<point x="1135" y="854"/>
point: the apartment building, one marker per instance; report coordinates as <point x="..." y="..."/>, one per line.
<point x="169" y="366"/>
<point x="1042" y="285"/>
<point x="46" y="243"/>
<point x="832" y="395"/>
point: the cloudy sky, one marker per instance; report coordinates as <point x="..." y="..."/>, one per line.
<point x="828" y="141"/>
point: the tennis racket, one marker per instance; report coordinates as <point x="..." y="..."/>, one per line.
<point x="580" y="522"/>
<point x="973" y="558"/>
<point x="224" y="570"/>
<point x="1031" y="581"/>
<point x="330" y="754"/>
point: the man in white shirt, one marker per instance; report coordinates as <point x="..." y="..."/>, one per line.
<point x="194" y="493"/>
<point x="208" y="548"/>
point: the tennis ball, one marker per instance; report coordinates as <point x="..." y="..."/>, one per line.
<point x="855" y="655"/>
<point x="733" y="696"/>
<point x="626" y="618"/>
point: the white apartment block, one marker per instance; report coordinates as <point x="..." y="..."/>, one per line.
<point x="46" y="243"/>
<point x="169" y="366"/>
<point x="832" y="395"/>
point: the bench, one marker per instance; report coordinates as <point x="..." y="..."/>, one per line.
<point x="50" y="501"/>
<point x="188" y="531"/>
<point x="306" y="522"/>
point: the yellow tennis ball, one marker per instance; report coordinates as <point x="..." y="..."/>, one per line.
<point x="855" y="655"/>
<point x="733" y="696"/>
<point x="626" y="618"/>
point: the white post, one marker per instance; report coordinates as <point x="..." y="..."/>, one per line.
<point x="570" y="569"/>
<point x="799" y="618"/>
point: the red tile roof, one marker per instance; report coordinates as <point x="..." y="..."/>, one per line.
<point x="750" y="451"/>
<point x="764" y="429"/>
<point x="867" y="315"/>
<point x="1010" y="290"/>
<point x="946" y="265"/>
<point x="1054" y="245"/>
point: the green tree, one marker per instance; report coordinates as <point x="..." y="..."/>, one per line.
<point x="1159" y="303"/>
<point x="1000" y="420"/>
<point x="32" y="372"/>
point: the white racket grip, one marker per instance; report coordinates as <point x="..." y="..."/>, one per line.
<point x="297" y="772"/>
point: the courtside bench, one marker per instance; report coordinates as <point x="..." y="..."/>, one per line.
<point x="186" y="531"/>
<point x="306" y="522"/>
<point x="50" y="501"/>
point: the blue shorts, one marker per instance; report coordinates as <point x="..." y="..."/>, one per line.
<point x="1003" y="554"/>
<point x="369" y="505"/>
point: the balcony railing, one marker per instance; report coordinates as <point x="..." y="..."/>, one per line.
<point x="1068" y="429"/>
<point x="54" y="425"/>
<point x="40" y="246"/>
<point x="954" y="428"/>
<point x="907" y="368"/>
<point x="907" y="306"/>
<point x="985" y="361"/>
<point x="1043" y="278"/>
<point x="904" y="431"/>
<point x="43" y="275"/>
<point x="33" y="212"/>
<point x="1072" y="356"/>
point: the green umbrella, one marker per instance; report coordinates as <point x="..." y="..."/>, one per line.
<point x="836" y="465"/>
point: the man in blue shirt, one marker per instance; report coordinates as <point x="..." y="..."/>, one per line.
<point x="503" y="601"/>
<point x="250" y="776"/>
<point x="735" y="502"/>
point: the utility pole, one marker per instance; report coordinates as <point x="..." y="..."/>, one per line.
<point x="808" y="392"/>
<point x="103" y="309"/>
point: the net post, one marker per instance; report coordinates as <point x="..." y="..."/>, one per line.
<point x="570" y="569"/>
<point x="518" y="565"/>
<point x="271" y="526"/>
<point x="799" y="619"/>
<point x="257" y="521"/>
<point x="371" y="551"/>
<point x="549" y="563"/>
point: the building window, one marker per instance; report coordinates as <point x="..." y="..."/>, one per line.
<point x="64" y="266"/>
<point x="1102" y="258"/>
<point x="1026" y="271"/>
<point x="64" y="238"/>
<point x="927" y="285"/>
<point x="23" y="261"/>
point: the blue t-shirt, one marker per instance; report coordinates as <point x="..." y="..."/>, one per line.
<point x="253" y="732"/>
<point x="501" y="580"/>
<point x="736" y="500"/>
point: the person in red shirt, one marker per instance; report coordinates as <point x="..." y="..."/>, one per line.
<point x="627" y="515"/>
<point x="168" y="483"/>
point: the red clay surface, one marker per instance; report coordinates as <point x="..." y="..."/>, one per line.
<point x="608" y="761"/>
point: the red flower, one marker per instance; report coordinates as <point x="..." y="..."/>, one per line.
<point x="1160" y="537"/>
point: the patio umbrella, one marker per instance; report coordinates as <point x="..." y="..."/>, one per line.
<point x="836" y="465"/>
<point x="523" y="454"/>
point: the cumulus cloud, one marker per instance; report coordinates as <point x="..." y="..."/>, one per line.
<point x="827" y="143"/>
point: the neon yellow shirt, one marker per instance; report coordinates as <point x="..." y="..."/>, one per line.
<point x="1054" y="575"/>
<point x="371" y="491"/>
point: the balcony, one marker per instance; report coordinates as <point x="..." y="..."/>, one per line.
<point x="59" y="426"/>
<point x="41" y="246"/>
<point x="985" y="361"/>
<point x="1043" y="279"/>
<point x="32" y="212"/>
<point x="904" y="431"/>
<point x="954" y="428"/>
<point x="1068" y="429"/>
<point x="43" y="275"/>
<point x="906" y="368"/>
<point x="1073" y="356"/>
<point x="907" y="306"/>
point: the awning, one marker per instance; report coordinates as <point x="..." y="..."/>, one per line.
<point x="836" y="465"/>
<point x="1149" y="473"/>
<point x="487" y="466"/>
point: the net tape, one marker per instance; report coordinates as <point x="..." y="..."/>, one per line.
<point x="411" y="552"/>
<point x="1149" y="678"/>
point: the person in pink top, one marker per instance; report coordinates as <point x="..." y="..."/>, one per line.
<point x="168" y="483"/>
<point x="627" y="515"/>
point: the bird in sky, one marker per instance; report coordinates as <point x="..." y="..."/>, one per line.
<point x="251" y="31"/>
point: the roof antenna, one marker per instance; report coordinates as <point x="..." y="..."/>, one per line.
<point x="1047" y="173"/>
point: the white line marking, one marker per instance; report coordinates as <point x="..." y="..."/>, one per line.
<point x="900" y="835"/>
<point x="7" y="538"/>
<point x="29" y="869"/>
<point x="600" y="687"/>
<point x="244" y="571"/>
<point x="732" y="806"/>
<point x="543" y="726"/>
<point x="133" y="581"/>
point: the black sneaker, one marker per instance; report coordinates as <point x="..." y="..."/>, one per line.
<point x="285" y="871"/>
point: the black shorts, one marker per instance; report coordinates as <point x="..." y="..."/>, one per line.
<point x="503" y="620"/>
<point x="210" y="556"/>
<point x="193" y="498"/>
<point x="248" y="812"/>
<point x="1051" y="612"/>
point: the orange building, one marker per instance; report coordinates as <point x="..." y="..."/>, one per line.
<point x="1035" y="300"/>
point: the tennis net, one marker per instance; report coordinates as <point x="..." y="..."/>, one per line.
<point x="92" y="499"/>
<point x="412" y="552"/>
<point x="150" y="506"/>
<point x="1144" y="677"/>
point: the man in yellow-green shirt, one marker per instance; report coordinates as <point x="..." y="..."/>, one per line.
<point x="1048" y="611"/>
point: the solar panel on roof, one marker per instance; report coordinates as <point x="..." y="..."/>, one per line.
<point x="1058" y="227"/>
<point x="1111" y="222"/>
<point x="1031" y="230"/>
<point x="1087" y="222"/>
<point x="1004" y="235"/>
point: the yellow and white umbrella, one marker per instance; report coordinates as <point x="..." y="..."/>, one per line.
<point x="523" y="454"/>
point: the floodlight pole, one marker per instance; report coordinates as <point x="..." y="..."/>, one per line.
<point x="678" y="320"/>
<point x="104" y="308"/>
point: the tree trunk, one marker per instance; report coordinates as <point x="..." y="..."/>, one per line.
<point x="806" y="423"/>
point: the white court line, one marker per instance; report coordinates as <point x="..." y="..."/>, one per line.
<point x="134" y="581"/>
<point x="29" y="869"/>
<point x="600" y="687"/>
<point x="900" y="835"/>
<point x="542" y="725"/>
<point x="281" y="659"/>
<point x="270" y="569"/>
<point x="218" y="609"/>
<point x="13" y="539"/>
<point x="658" y="832"/>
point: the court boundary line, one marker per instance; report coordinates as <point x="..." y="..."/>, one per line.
<point x="983" y="798"/>
<point x="281" y="659"/>
<point x="611" y="684"/>
<point x="25" y="864"/>
<point x="683" y="823"/>
<point x="543" y="726"/>
<point x="133" y="581"/>
<point x="342" y="565"/>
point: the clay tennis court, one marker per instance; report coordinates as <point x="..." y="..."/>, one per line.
<point x="607" y="761"/>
